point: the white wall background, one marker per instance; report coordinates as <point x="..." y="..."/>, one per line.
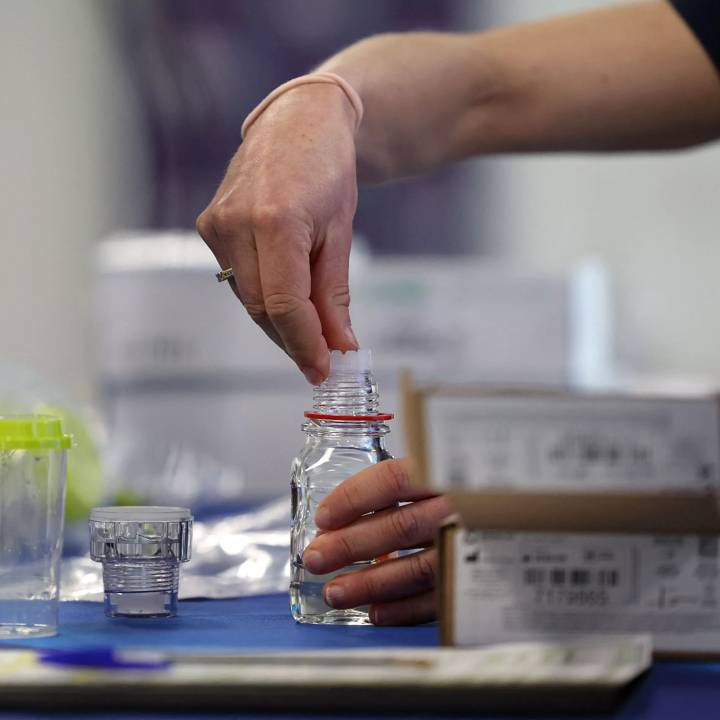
<point x="71" y="168"/>
<point x="655" y="220"/>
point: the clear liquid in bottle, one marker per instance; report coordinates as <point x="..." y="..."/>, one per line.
<point x="344" y="434"/>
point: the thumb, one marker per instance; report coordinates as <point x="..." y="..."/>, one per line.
<point x="330" y="291"/>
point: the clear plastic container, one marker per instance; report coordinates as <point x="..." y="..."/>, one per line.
<point x="32" y="506"/>
<point x="345" y="433"/>
<point x="140" y="549"/>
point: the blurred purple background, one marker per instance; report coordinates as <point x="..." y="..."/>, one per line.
<point x="200" y="67"/>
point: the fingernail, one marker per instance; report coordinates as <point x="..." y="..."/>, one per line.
<point x="322" y="517"/>
<point x="313" y="376"/>
<point x="350" y="337"/>
<point x="312" y="559"/>
<point x="377" y="615"/>
<point x="334" y="595"/>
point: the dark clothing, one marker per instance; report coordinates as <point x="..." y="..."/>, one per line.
<point x="703" y="18"/>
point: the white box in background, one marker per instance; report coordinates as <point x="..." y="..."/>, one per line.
<point x="201" y="407"/>
<point x="566" y="441"/>
<point x="466" y="318"/>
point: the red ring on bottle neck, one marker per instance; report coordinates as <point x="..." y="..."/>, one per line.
<point x="379" y="417"/>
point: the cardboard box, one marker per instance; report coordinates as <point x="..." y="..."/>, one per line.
<point x="470" y="437"/>
<point x="627" y="542"/>
<point x="532" y="566"/>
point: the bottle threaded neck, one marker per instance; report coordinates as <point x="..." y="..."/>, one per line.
<point x="347" y="394"/>
<point x="146" y="576"/>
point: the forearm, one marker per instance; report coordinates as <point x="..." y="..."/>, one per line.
<point x="623" y="78"/>
<point x="419" y="91"/>
<point x="628" y="77"/>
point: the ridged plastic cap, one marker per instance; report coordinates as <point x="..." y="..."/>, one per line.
<point x="351" y="362"/>
<point x="142" y="532"/>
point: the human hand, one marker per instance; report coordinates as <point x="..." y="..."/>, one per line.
<point x="400" y="591"/>
<point x="282" y="219"/>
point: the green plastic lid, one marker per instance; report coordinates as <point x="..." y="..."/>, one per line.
<point x="33" y="432"/>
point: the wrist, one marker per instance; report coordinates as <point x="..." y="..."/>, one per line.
<point x="338" y="85"/>
<point x="302" y="113"/>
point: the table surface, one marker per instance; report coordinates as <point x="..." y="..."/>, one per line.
<point x="672" y="690"/>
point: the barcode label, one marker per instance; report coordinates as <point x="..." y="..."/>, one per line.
<point x="572" y="577"/>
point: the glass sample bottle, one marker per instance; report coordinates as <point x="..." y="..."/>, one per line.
<point x="345" y="433"/>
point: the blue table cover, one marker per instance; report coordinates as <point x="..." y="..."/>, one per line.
<point x="672" y="690"/>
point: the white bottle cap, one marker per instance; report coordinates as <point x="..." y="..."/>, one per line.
<point x="351" y="362"/>
<point x="142" y="513"/>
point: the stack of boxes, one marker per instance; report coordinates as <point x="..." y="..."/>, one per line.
<point x="577" y="513"/>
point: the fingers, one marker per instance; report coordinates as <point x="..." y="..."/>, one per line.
<point x="330" y="291"/>
<point x="374" y="488"/>
<point x="384" y="582"/>
<point x="274" y="283"/>
<point x="235" y="249"/>
<point x="411" y="611"/>
<point x="284" y="264"/>
<point x="378" y="534"/>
